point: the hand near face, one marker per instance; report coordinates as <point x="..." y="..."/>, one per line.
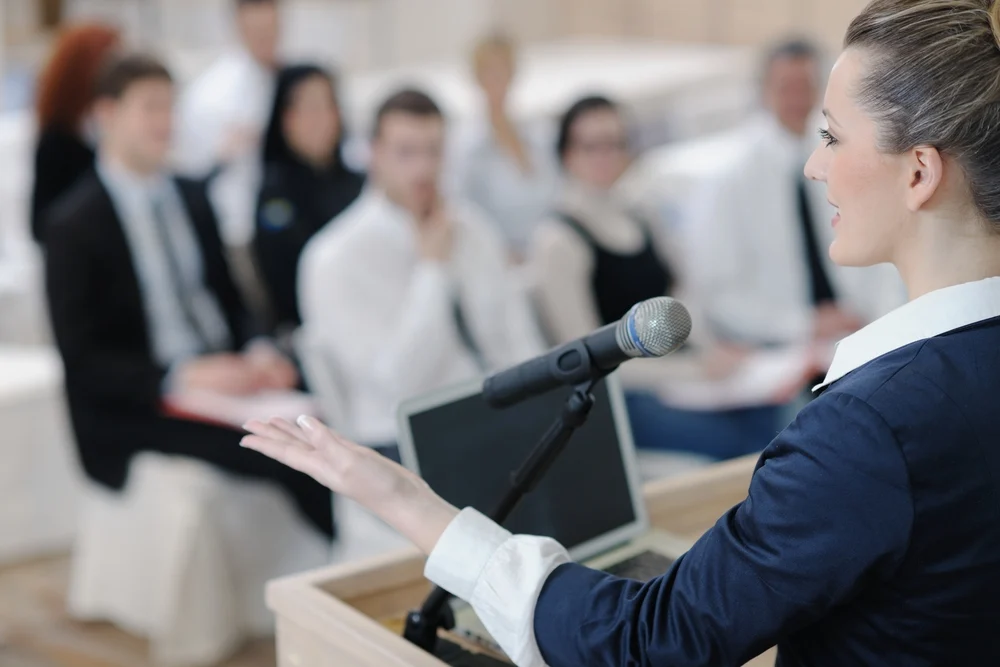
<point x="391" y="492"/>
<point x="435" y="233"/>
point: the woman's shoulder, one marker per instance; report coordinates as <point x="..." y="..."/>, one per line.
<point x="61" y="144"/>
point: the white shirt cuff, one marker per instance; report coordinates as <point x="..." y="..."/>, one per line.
<point x="462" y="552"/>
<point x="500" y="575"/>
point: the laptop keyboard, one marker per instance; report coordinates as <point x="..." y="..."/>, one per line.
<point x="641" y="567"/>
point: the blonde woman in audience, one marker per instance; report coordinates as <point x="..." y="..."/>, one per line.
<point x="594" y="258"/>
<point x="505" y="168"/>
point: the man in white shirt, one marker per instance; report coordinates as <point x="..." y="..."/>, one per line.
<point x="409" y="292"/>
<point x="759" y="233"/>
<point x="222" y="116"/>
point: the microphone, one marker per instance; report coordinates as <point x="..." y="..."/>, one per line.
<point x="652" y="328"/>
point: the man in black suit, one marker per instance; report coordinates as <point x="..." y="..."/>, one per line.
<point x="143" y="304"/>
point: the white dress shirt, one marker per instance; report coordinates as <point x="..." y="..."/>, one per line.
<point x="502" y="575"/>
<point x="489" y="177"/>
<point x="746" y="254"/>
<point x="173" y="337"/>
<point x="234" y="95"/>
<point x="387" y="317"/>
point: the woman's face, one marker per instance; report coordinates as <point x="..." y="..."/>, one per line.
<point x="312" y="120"/>
<point x="868" y="188"/>
<point x="597" y="152"/>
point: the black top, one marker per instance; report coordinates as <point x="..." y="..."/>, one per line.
<point x="295" y="202"/>
<point x="113" y="382"/>
<point x="621" y="281"/>
<point x="61" y="159"/>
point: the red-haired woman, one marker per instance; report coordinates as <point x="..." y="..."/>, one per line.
<point x="65" y="93"/>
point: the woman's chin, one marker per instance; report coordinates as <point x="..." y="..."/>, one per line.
<point x="843" y="253"/>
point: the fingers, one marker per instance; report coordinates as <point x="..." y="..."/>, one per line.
<point x="319" y="435"/>
<point x="295" y="456"/>
<point x="291" y="430"/>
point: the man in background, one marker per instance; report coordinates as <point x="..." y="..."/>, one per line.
<point x="407" y="291"/>
<point x="760" y="233"/>
<point x="143" y="306"/>
<point x="223" y="114"/>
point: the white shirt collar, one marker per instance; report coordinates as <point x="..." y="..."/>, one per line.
<point x="930" y="315"/>
<point x="118" y="176"/>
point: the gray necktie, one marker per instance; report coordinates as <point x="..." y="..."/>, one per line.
<point x="181" y="287"/>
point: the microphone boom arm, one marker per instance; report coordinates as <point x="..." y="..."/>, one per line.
<point x="422" y="625"/>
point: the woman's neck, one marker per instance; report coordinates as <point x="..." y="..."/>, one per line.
<point x="941" y="257"/>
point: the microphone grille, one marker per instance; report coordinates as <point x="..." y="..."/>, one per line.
<point x="654" y="328"/>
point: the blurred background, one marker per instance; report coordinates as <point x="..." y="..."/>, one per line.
<point x="688" y="74"/>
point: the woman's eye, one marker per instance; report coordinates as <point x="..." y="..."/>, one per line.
<point x="828" y="138"/>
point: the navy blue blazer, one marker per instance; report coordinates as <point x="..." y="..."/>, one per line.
<point x="871" y="536"/>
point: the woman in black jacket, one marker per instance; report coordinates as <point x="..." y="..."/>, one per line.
<point x="306" y="183"/>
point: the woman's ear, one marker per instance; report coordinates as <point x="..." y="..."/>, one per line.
<point x="925" y="172"/>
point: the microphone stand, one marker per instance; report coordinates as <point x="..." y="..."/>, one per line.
<point x="422" y="625"/>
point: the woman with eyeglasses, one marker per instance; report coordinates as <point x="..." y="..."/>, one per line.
<point x="596" y="256"/>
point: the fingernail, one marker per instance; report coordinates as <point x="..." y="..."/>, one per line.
<point x="243" y="442"/>
<point x="305" y="422"/>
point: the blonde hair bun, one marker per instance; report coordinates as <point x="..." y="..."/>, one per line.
<point x="995" y="21"/>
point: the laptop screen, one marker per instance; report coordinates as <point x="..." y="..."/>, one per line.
<point x="467" y="451"/>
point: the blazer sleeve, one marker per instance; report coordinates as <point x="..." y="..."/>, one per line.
<point x="106" y="374"/>
<point x="829" y="508"/>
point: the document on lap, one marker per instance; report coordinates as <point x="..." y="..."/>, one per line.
<point x="234" y="411"/>
<point x="766" y="377"/>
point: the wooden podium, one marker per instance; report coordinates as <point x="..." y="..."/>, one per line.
<point x="336" y="616"/>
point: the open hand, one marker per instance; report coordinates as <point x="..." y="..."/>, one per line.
<point x="391" y="492"/>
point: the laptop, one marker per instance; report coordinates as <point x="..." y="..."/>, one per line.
<point x="590" y="500"/>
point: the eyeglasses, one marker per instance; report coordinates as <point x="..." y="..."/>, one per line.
<point x="600" y="146"/>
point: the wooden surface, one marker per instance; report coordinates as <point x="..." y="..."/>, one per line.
<point x="330" y="617"/>
<point x="35" y="630"/>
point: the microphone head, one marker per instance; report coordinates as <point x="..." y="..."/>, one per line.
<point x="654" y="328"/>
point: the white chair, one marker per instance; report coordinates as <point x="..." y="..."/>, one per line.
<point x="39" y="479"/>
<point x="182" y="555"/>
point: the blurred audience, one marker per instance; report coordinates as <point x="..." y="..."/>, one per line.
<point x="505" y="169"/>
<point x="142" y="303"/>
<point x="66" y="136"/>
<point x="306" y="183"/>
<point x="409" y="291"/>
<point x="223" y="114"/>
<point x="760" y="232"/>
<point x="595" y="258"/>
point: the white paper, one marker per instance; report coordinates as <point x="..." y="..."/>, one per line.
<point x="766" y="377"/>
